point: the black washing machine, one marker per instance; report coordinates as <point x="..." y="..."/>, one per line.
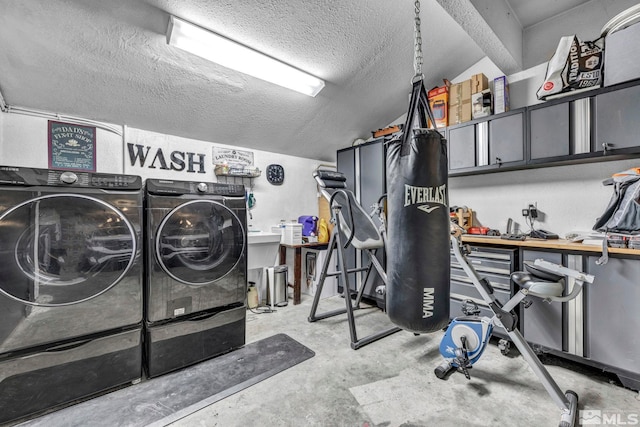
<point x="71" y="286"/>
<point x="196" y="272"/>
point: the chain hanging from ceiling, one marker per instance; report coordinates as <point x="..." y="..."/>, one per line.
<point x="417" y="58"/>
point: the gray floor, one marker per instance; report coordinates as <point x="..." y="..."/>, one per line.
<point x="391" y="382"/>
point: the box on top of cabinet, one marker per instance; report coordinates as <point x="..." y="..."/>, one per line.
<point x="500" y="95"/>
<point x="481" y="104"/>
<point x="460" y="102"/>
<point x="622" y="55"/>
<point x="438" y="101"/>
<point x="479" y="82"/>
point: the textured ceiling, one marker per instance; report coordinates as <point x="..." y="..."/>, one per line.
<point x="109" y="61"/>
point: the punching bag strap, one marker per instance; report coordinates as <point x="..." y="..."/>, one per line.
<point x="419" y="109"/>
<point x="419" y="102"/>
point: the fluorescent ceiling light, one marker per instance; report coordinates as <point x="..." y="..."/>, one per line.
<point x="230" y="54"/>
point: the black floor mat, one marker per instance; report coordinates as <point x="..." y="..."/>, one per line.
<point x="160" y="401"/>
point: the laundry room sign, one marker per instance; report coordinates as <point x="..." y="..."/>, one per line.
<point x="72" y="146"/>
<point x="159" y="156"/>
<point x="231" y="156"/>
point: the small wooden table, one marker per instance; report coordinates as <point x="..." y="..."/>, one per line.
<point x="297" y="264"/>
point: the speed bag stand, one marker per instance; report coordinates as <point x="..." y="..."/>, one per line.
<point x="418" y="235"/>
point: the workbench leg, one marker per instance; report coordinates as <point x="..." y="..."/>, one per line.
<point x="297" y="274"/>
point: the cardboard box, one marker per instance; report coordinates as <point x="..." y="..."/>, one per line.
<point x="439" y="101"/>
<point x="481" y="104"/>
<point x="479" y="82"/>
<point x="622" y="55"/>
<point x="460" y="102"/>
<point x="500" y="95"/>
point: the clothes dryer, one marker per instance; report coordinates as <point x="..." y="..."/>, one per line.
<point x="70" y="286"/>
<point x="196" y="280"/>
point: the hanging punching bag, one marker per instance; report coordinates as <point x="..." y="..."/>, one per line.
<point x="418" y="223"/>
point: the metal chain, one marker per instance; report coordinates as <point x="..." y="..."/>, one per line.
<point x="417" y="59"/>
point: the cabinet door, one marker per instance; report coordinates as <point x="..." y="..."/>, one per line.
<point x="372" y="186"/>
<point x="549" y="131"/>
<point x="616" y="117"/>
<point x="347" y="165"/>
<point x="613" y="318"/>
<point x="506" y="139"/>
<point x="462" y="147"/>
<point x="542" y="322"/>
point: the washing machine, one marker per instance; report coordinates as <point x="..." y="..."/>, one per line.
<point x="196" y="272"/>
<point x="71" y="286"/>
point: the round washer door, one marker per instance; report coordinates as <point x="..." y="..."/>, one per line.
<point x="199" y="242"/>
<point x="63" y="249"/>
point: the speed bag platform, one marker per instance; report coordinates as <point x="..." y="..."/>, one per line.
<point x="418" y="235"/>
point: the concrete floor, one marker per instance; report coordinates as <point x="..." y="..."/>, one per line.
<point x="391" y="382"/>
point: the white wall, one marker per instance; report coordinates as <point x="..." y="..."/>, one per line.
<point x="570" y="198"/>
<point x="23" y="142"/>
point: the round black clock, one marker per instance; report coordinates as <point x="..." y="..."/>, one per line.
<point x="275" y="174"/>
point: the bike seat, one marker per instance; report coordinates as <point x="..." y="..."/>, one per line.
<point x="538" y="281"/>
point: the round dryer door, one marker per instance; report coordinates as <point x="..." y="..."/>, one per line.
<point x="199" y="242"/>
<point x="62" y="249"/>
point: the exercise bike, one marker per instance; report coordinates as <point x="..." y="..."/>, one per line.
<point x="466" y="337"/>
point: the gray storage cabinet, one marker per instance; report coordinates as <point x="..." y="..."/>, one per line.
<point x="549" y="131"/>
<point x="506" y="139"/>
<point x="347" y="165"/>
<point x="617" y="120"/>
<point x="462" y="147"/>
<point x="493" y="264"/>
<point x="372" y="184"/>
<point x="542" y="323"/>
<point x="613" y="317"/>
<point x="364" y="168"/>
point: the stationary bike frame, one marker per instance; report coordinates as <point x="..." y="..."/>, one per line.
<point x="505" y="317"/>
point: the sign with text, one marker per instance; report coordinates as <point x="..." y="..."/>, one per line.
<point x="166" y="157"/>
<point x="231" y="156"/>
<point x="72" y="146"/>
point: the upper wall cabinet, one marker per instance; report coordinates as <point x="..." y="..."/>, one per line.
<point x="462" y="148"/>
<point x="489" y="144"/>
<point x="506" y="139"/>
<point x="617" y="120"/>
<point x="549" y="131"/>
<point x="592" y="126"/>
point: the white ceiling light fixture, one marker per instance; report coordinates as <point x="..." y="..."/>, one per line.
<point x="226" y="52"/>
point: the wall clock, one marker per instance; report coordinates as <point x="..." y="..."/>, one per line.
<point x="275" y="174"/>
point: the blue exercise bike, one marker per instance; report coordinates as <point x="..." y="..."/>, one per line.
<point x="466" y="337"/>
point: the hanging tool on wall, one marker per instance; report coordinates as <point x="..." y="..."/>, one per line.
<point x="251" y="200"/>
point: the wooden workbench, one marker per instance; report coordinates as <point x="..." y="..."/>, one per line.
<point x="560" y="244"/>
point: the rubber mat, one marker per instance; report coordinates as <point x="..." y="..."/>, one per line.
<point x="160" y="401"/>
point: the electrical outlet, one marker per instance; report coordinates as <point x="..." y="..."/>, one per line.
<point x="531" y="210"/>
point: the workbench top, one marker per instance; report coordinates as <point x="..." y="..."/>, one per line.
<point x="561" y="244"/>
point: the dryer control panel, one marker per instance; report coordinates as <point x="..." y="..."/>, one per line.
<point x="59" y="178"/>
<point x="167" y="187"/>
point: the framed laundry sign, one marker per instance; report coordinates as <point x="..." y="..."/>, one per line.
<point x="232" y="156"/>
<point x="72" y="146"/>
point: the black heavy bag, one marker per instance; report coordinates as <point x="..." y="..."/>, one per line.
<point x="418" y="223"/>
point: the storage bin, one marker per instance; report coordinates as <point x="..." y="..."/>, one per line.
<point x="292" y="234"/>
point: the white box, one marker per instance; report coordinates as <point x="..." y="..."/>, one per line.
<point x="500" y="95"/>
<point x="311" y="279"/>
<point x="292" y="234"/>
